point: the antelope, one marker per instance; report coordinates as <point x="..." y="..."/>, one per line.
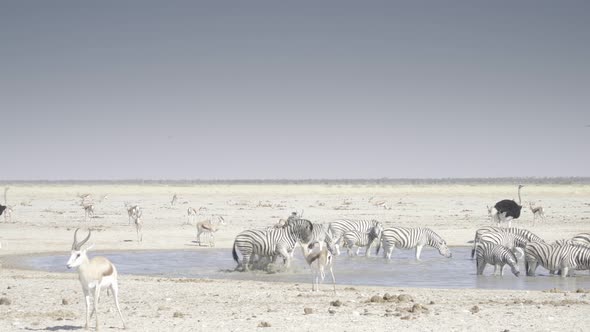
<point x="537" y="211"/>
<point x="6" y="209"/>
<point x="94" y="274"/>
<point x="132" y="210"/>
<point x="174" y="199"/>
<point x="88" y="211"/>
<point x="138" y="221"/>
<point x="322" y="256"/>
<point x="208" y="226"/>
<point x="382" y="204"/>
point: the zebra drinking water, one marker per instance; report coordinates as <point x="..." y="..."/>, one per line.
<point x="552" y="257"/>
<point x="278" y="242"/>
<point x="496" y="255"/>
<point x="408" y="238"/>
<point x="362" y="239"/>
<point x="528" y="235"/>
<point x="514" y="242"/>
<point x="339" y="227"/>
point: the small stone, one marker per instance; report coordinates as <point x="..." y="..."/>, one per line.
<point x="376" y="298"/>
<point x="65" y="302"/>
<point x="307" y="311"/>
<point x="5" y="301"/>
<point x="405" y="298"/>
<point x="336" y="303"/>
<point x="178" y="314"/>
<point x="264" y="324"/>
<point x="405" y="317"/>
<point x="474" y="309"/>
<point x="331" y="311"/>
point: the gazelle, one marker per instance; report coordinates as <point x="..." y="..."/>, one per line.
<point x="537" y="211"/>
<point x="131" y="211"/>
<point x="322" y="256"/>
<point x="138" y="221"/>
<point x="210" y="227"/>
<point x="94" y="274"/>
<point x="174" y="200"/>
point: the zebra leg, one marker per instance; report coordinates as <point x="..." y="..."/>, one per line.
<point x="245" y="262"/>
<point x="418" y="251"/>
<point x="387" y="251"/>
<point x="564" y="271"/>
<point x="501" y="267"/>
<point x="358" y="249"/>
<point x="480" y="266"/>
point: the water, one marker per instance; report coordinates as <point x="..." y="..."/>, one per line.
<point x="434" y="271"/>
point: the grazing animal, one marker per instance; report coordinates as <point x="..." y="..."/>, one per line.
<point x="94" y="274"/>
<point x="174" y="200"/>
<point x="339" y="227"/>
<point x="322" y="256"/>
<point x="362" y="239"/>
<point x="132" y="210"/>
<point x="496" y="255"/>
<point x="528" y="235"/>
<point x="321" y="235"/>
<point x="209" y="227"/>
<point x="278" y="242"/>
<point x="138" y="221"/>
<point x="88" y="211"/>
<point x="514" y="242"/>
<point x="506" y="210"/>
<point x="538" y="212"/>
<point x="407" y="238"/>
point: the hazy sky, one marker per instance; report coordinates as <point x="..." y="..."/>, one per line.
<point x="298" y="89"/>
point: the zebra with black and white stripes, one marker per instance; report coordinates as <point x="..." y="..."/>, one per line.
<point x="552" y="257"/>
<point x="273" y="243"/>
<point x="496" y="255"/>
<point x="362" y="239"/>
<point x="339" y="227"/>
<point x="408" y="238"/>
<point x="582" y="239"/>
<point x="514" y="242"/>
<point x="528" y="235"/>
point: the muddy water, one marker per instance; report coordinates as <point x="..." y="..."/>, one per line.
<point x="433" y="271"/>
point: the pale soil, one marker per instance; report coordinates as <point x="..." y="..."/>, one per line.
<point x="46" y="215"/>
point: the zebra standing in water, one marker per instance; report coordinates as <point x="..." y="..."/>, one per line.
<point x="496" y="255"/>
<point x="270" y="243"/>
<point x="514" y="242"/>
<point x="552" y="257"/>
<point x="339" y="227"/>
<point x="528" y="235"/>
<point x="362" y="239"/>
<point x="408" y="238"/>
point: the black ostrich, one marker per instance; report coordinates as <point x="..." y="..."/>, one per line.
<point x="507" y="209"/>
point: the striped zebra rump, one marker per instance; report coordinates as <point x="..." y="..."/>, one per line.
<point x="528" y="235"/>
<point x="362" y="239"/>
<point x="496" y="255"/>
<point x="582" y="239"/>
<point x="514" y="242"/>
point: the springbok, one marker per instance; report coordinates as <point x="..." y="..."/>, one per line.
<point x="132" y="210"/>
<point x="174" y="200"/>
<point x="138" y="221"/>
<point x="94" y="274"/>
<point x="210" y="227"/>
<point x="538" y="212"/>
<point x="322" y="256"/>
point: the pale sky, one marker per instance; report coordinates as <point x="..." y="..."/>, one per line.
<point x="294" y="89"/>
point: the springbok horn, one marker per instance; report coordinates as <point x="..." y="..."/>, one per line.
<point x="79" y="245"/>
<point x="75" y="239"/>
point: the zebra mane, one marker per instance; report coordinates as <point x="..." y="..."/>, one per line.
<point x="433" y="239"/>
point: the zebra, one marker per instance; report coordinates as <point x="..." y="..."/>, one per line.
<point x="514" y="242"/>
<point x="407" y="238"/>
<point x="362" y="239"/>
<point x="564" y="242"/>
<point x="552" y="257"/>
<point x="278" y="242"/>
<point x="496" y="255"/>
<point x="514" y="230"/>
<point x="321" y="234"/>
<point x="339" y="227"/>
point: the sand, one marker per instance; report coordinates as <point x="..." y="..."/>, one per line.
<point x="45" y="216"/>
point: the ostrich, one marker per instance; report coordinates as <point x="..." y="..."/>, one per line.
<point x="507" y="209"/>
<point x="537" y="212"/>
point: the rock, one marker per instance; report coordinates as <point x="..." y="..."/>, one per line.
<point x="474" y="309"/>
<point x="418" y="308"/>
<point x="405" y="298"/>
<point x="336" y="303"/>
<point x="264" y="324"/>
<point x="178" y="314"/>
<point x="390" y="298"/>
<point x="405" y="317"/>
<point x="307" y="311"/>
<point x="331" y="311"/>
<point x="65" y="302"/>
<point x="5" y="301"/>
<point x="376" y="298"/>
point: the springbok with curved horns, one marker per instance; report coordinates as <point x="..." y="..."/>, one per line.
<point x="94" y="274"/>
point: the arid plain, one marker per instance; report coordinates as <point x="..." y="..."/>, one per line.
<point x="45" y="216"/>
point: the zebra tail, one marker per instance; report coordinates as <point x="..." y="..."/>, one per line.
<point x="234" y="253"/>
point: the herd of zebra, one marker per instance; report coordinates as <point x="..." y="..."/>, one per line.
<point x="258" y="247"/>
<point x="494" y="245"/>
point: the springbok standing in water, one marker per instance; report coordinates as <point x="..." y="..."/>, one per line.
<point x="94" y="274"/>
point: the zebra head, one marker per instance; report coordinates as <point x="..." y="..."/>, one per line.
<point x="513" y="262"/>
<point x="434" y="240"/>
<point x="301" y="228"/>
<point x="443" y="249"/>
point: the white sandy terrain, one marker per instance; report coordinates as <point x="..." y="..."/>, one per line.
<point x="45" y="217"/>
